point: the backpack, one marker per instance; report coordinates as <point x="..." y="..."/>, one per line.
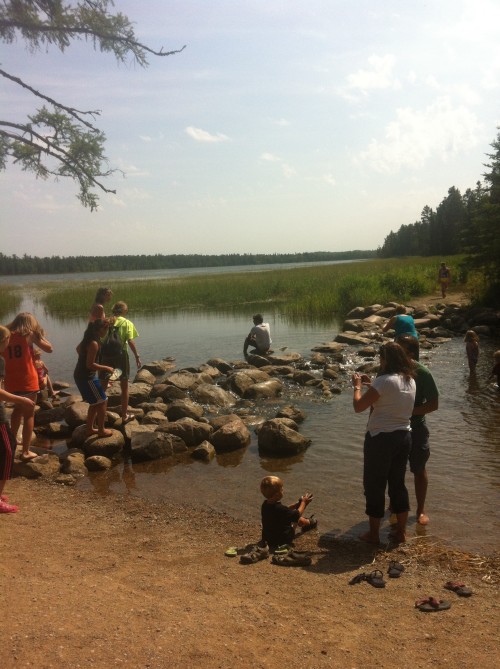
<point x="112" y="346"/>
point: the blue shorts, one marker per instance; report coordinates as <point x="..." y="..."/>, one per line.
<point x="419" y="451"/>
<point x="91" y="390"/>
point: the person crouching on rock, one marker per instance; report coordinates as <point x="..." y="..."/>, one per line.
<point x="86" y="379"/>
<point x="259" y="336"/>
<point x="279" y="521"/>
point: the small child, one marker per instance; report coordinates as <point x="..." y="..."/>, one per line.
<point x="7" y="439"/>
<point x="44" y="381"/>
<point x="278" y="520"/>
<point x="472" y="349"/>
<point x="496" y="368"/>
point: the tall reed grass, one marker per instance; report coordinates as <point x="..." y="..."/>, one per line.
<point x="10" y="301"/>
<point x="312" y="292"/>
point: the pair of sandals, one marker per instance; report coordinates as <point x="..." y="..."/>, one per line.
<point x="376" y="578"/>
<point x="431" y="604"/>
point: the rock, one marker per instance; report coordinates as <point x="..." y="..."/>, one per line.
<point x="257" y="360"/>
<point x="351" y="338"/>
<point x="367" y="352"/>
<point x="145" y="376"/>
<point x="278" y="359"/>
<point x="240" y="381"/>
<point x="213" y="396"/>
<point x="330" y="374"/>
<point x="156" y="405"/>
<point x="484" y="330"/>
<point x="231" y="436"/>
<point x="303" y="377"/>
<point x="43" y="466"/>
<point x="98" y="463"/>
<point x="319" y="359"/>
<point x="192" y="432"/>
<point x="130" y="429"/>
<point x="56" y="430"/>
<point x="183" y="380"/>
<point x="154" y="418"/>
<point x="168" y="393"/>
<point x="60" y="385"/>
<point x="278" y="440"/>
<point x="264" y="390"/>
<point x="159" y="367"/>
<point x="78" y="436"/>
<point x="205" y="451"/>
<point x="76" y="413"/>
<point x="213" y="372"/>
<point x="219" y="421"/>
<point x="223" y="366"/>
<point x="73" y="463"/>
<point x="387" y="312"/>
<point x="66" y="479"/>
<point x="137" y="393"/>
<point x="292" y="412"/>
<point x="183" y="409"/>
<point x="153" y="445"/>
<point x="107" y="446"/>
<point x="375" y="319"/>
<point x="329" y="347"/>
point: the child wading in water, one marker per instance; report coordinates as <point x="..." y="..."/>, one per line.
<point x="472" y="349"/>
<point x="496" y="368"/>
<point x="21" y="377"/>
<point x="7" y="439"/>
<point x="86" y="380"/>
<point x="278" y="520"/>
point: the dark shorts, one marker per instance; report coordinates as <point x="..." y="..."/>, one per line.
<point x="121" y="361"/>
<point x="7" y="451"/>
<point x="91" y="390"/>
<point x="420" y="451"/>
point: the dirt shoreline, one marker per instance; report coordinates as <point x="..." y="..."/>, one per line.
<point x="117" y="581"/>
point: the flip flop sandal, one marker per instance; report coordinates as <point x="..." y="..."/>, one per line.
<point x="359" y="578"/>
<point x="395" y="569"/>
<point x="292" y="560"/>
<point x="283" y="550"/>
<point x="8" y="508"/>
<point x="376" y="578"/>
<point x="258" y="553"/>
<point x="313" y="524"/>
<point x="232" y="551"/>
<point x="432" y="604"/>
<point x="459" y="588"/>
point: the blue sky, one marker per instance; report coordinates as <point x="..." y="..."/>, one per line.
<point x="282" y="127"/>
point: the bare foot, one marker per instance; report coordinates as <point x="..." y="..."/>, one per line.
<point x="422" y="519"/>
<point x="106" y="433"/>
<point x="368" y="538"/>
<point x="89" y="433"/>
<point x="27" y="456"/>
<point x="398" y="536"/>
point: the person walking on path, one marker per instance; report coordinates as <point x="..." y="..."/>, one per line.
<point x="426" y="401"/>
<point x="444" y="278"/>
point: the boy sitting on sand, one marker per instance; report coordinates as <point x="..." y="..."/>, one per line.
<point x="279" y="521"/>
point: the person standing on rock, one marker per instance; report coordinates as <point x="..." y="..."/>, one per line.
<point x="426" y="401"/>
<point x="259" y="336"/>
<point x="126" y="333"/>
<point x="86" y="379"/>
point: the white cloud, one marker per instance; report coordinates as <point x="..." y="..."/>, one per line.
<point x="379" y="76"/>
<point x="270" y="157"/>
<point x="414" y="137"/>
<point x="200" y="135"/>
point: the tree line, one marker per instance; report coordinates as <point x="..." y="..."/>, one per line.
<point x="26" y="264"/>
<point x="466" y="224"/>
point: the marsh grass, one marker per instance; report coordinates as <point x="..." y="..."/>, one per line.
<point x="10" y="301"/>
<point x="312" y="292"/>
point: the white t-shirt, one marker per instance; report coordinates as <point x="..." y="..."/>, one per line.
<point x="393" y="409"/>
<point x="262" y="336"/>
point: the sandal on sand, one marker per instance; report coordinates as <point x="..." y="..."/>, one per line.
<point x="232" y="551"/>
<point x="395" y="569"/>
<point x="256" y="554"/>
<point x="293" y="559"/>
<point x="459" y="588"/>
<point x="376" y="579"/>
<point x="8" y="508"/>
<point x="283" y="550"/>
<point x="431" y="604"/>
<point x="359" y="578"/>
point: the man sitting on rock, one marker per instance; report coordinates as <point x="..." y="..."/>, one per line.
<point x="259" y="336"/>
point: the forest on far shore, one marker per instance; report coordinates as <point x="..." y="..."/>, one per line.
<point x="12" y="265"/>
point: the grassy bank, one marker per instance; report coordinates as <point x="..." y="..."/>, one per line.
<point x="10" y="300"/>
<point x="311" y="292"/>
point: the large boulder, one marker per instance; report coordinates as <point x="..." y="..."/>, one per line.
<point x="183" y="380"/>
<point x="205" y="451"/>
<point x="231" y="436"/>
<point x="154" y="445"/>
<point x="293" y="413"/>
<point x="223" y="366"/>
<point x="183" y="409"/>
<point x="73" y="463"/>
<point x="192" y="432"/>
<point x="278" y="440"/>
<point x="351" y="338"/>
<point x="159" y="367"/>
<point x="240" y="381"/>
<point x="49" y="416"/>
<point x="98" y="463"/>
<point x="302" y="377"/>
<point x="107" y="446"/>
<point x="284" y="358"/>
<point x="264" y="390"/>
<point x="213" y="396"/>
<point x="43" y="466"/>
<point x="76" y="413"/>
<point x="154" y="418"/>
<point x="167" y="393"/>
<point x="145" y="376"/>
<point x="137" y="393"/>
<point x="329" y="347"/>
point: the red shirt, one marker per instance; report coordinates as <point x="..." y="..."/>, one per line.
<point x="20" y="371"/>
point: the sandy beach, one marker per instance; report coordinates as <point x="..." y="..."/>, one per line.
<point x="116" y="581"/>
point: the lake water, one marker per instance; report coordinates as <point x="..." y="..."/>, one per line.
<point x="464" y="469"/>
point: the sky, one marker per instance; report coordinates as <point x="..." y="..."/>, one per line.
<point x="283" y="126"/>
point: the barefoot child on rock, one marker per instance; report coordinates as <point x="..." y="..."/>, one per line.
<point x="279" y="521"/>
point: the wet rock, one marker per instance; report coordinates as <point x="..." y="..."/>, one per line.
<point x="386" y="312"/>
<point x="60" y="385"/>
<point x="213" y="396"/>
<point x="351" y="338"/>
<point x="218" y="421"/>
<point x="278" y="359"/>
<point x="145" y="376"/>
<point x="241" y="380"/>
<point x="303" y="377"/>
<point x="98" y="463"/>
<point x="159" y="367"/>
<point x="266" y="389"/>
<point x="132" y="428"/>
<point x="231" y="436"/>
<point x="223" y="366"/>
<point x="183" y="409"/>
<point x="212" y="371"/>
<point x="192" y="432"/>
<point x="43" y="466"/>
<point x="55" y="430"/>
<point x="374" y="319"/>
<point x="278" y="440"/>
<point x="107" y="446"/>
<point x="155" y="405"/>
<point x="76" y="413"/>
<point x="73" y="463"/>
<point x="153" y="446"/>
<point x="154" y="418"/>
<point x="168" y="393"/>
<point x="205" y="451"/>
<point x="137" y="393"/>
<point x="293" y="413"/>
<point x="330" y="374"/>
<point x="257" y="360"/>
<point x="329" y="347"/>
<point x="183" y="380"/>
